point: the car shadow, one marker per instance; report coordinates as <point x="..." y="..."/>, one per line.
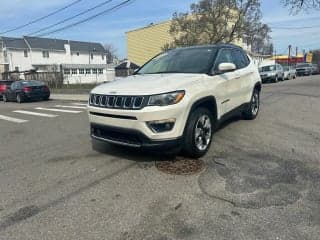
<point x="132" y="154"/>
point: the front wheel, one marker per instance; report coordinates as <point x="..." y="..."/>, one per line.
<point x="253" y="109"/>
<point x="198" y="133"/>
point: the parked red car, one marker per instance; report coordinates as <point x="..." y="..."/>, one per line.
<point x="4" y="85"/>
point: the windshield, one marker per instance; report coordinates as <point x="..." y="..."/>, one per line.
<point x="285" y="68"/>
<point x="303" y="65"/>
<point x="190" y="60"/>
<point x="267" y="68"/>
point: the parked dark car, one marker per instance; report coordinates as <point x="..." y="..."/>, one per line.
<point x="304" y="69"/>
<point x="21" y="91"/>
<point x="4" y="85"/>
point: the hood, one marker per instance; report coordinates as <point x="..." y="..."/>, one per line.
<point x="148" y="84"/>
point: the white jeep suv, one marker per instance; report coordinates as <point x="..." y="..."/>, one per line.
<point x="177" y="99"/>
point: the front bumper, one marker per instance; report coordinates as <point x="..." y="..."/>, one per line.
<point x="136" y="120"/>
<point x="130" y="138"/>
<point x="267" y="78"/>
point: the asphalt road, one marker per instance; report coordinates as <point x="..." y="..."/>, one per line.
<point x="261" y="179"/>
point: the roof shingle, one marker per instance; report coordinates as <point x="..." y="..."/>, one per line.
<point x="14" y="43"/>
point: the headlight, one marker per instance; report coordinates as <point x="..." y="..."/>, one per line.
<point x="166" y="98"/>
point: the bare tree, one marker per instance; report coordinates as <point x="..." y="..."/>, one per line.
<point x="111" y="52"/>
<point x="216" y="21"/>
<point x="298" y="5"/>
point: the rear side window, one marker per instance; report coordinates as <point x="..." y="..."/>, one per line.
<point x="224" y="56"/>
<point x="240" y="59"/>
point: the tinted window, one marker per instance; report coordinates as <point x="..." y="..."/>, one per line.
<point x="31" y="83"/>
<point x="239" y="59"/>
<point x="188" y="60"/>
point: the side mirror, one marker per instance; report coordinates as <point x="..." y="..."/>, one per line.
<point x="226" y="67"/>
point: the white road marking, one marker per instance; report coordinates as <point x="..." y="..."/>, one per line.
<point x="75" y="107"/>
<point x="36" y="114"/>
<point x="57" y="110"/>
<point x="80" y="104"/>
<point x="11" y="119"/>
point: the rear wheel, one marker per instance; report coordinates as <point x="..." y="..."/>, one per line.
<point x="198" y="133"/>
<point x="19" y="98"/>
<point x="253" y="109"/>
<point x="4" y="98"/>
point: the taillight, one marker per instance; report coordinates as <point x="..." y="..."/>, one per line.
<point x="3" y="88"/>
<point x="45" y="88"/>
<point x="27" y="89"/>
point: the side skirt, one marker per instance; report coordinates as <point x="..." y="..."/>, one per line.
<point x="235" y="112"/>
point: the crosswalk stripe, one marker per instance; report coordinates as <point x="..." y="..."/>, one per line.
<point x="75" y="107"/>
<point x="80" y="104"/>
<point x="35" y="114"/>
<point x="57" y="110"/>
<point x="11" y="119"/>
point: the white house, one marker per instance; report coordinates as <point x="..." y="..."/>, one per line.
<point x="79" y="62"/>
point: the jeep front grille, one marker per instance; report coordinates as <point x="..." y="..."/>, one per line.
<point x="118" y="102"/>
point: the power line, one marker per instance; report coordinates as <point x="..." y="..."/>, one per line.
<point x="116" y="7"/>
<point x="70" y="18"/>
<point x="41" y="18"/>
<point x="292" y="27"/>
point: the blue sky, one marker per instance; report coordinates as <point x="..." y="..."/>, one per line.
<point x="111" y="28"/>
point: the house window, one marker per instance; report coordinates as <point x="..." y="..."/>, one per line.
<point x="45" y="54"/>
<point x="100" y="71"/>
<point x="91" y="55"/>
<point x="16" y="69"/>
<point x="81" y="71"/>
<point x="74" y="71"/>
<point x="94" y="71"/>
<point x="5" y="54"/>
<point x="25" y="53"/>
<point x="88" y="71"/>
<point x="102" y="56"/>
<point x="67" y="71"/>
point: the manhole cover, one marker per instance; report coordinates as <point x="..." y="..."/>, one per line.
<point x="181" y="166"/>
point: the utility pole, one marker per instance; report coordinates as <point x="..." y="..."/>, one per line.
<point x="289" y="54"/>
<point x="296" y="55"/>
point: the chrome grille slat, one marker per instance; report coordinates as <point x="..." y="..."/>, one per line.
<point x="118" y="102"/>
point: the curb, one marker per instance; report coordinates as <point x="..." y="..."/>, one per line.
<point x="70" y="97"/>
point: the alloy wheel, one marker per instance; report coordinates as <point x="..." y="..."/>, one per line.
<point x="203" y="132"/>
<point x="255" y="103"/>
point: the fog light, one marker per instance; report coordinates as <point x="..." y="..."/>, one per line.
<point x="161" y="125"/>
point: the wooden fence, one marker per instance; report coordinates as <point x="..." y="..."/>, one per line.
<point x="52" y="79"/>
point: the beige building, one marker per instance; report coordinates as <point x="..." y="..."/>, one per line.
<point x="144" y="43"/>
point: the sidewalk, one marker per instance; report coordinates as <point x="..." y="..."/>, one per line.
<point x="70" y="97"/>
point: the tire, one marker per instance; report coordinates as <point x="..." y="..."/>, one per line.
<point x="198" y="133"/>
<point x="252" y="110"/>
<point x="19" y="98"/>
